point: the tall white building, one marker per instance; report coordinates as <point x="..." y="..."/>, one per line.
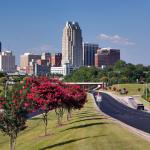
<point x="72" y="51"/>
<point x="7" y="62"/>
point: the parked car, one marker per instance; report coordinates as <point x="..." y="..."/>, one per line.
<point x="131" y="98"/>
<point x="140" y="107"/>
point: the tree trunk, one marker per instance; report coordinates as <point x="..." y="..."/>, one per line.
<point x="45" y="122"/>
<point x="12" y="142"/>
<point x="69" y="114"/>
<point x="59" y="113"/>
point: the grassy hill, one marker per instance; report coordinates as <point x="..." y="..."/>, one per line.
<point x="132" y="88"/>
<point x="87" y="130"/>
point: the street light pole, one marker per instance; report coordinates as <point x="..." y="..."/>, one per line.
<point x="6" y="88"/>
<point x="146" y="72"/>
<point x="146" y="90"/>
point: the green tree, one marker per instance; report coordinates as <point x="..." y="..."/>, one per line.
<point x="119" y="65"/>
<point x="3" y="80"/>
<point x="148" y="79"/>
<point x="104" y="79"/>
<point x="16" y="78"/>
<point x="13" y="113"/>
<point x="2" y="74"/>
<point x="83" y="74"/>
<point x="113" y="80"/>
<point x="123" y="79"/>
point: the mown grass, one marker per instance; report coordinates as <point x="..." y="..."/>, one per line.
<point x="87" y="130"/>
<point x="132" y="88"/>
<point x="145" y="102"/>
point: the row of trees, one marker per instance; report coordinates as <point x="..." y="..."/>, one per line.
<point x="121" y="72"/>
<point x="37" y="94"/>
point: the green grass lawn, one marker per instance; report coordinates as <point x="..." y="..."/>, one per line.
<point x="146" y="103"/>
<point x="87" y="130"/>
<point x="132" y="88"/>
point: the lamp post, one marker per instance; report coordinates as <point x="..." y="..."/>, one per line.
<point x="146" y="90"/>
<point x="6" y="88"/>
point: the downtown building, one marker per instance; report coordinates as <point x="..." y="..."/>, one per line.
<point x="106" y="57"/>
<point x="89" y="51"/>
<point x="56" y="60"/>
<point x="46" y="56"/>
<point x="7" y="62"/>
<point x="26" y="61"/>
<point x="72" y="52"/>
<point x="33" y="64"/>
<point x="40" y="67"/>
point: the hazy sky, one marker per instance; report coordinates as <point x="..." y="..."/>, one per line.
<point x="36" y="25"/>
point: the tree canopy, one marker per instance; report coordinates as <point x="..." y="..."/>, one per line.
<point x="121" y="72"/>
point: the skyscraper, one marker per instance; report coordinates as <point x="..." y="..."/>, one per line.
<point x="72" y="51"/>
<point x="89" y="51"/>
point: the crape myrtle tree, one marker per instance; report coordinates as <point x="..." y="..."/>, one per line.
<point x="59" y="96"/>
<point x="75" y="98"/>
<point x="46" y="96"/>
<point x="34" y="94"/>
<point x="38" y="96"/>
<point x="14" y="108"/>
<point x="67" y="97"/>
<point x="52" y="94"/>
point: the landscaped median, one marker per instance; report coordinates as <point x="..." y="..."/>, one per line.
<point x="86" y="130"/>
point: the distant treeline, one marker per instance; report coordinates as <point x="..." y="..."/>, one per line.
<point x="121" y="72"/>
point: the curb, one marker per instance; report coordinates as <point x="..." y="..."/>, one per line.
<point x="136" y="131"/>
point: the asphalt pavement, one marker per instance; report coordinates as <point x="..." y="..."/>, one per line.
<point x="121" y="112"/>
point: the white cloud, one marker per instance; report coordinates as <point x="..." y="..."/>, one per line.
<point x="115" y="39"/>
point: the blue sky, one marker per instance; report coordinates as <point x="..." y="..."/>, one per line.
<point x="36" y="25"/>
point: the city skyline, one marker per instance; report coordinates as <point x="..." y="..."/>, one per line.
<point x="33" y="26"/>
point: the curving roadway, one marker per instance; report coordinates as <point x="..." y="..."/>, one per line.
<point x="132" y="117"/>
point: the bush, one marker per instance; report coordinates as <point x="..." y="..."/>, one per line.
<point x="114" y="89"/>
<point x="139" y="89"/>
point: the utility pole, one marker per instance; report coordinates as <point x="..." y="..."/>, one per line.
<point x="146" y="90"/>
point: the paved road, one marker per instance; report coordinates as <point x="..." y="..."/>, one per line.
<point x="132" y="117"/>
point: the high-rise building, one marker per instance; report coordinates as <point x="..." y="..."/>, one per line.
<point x="0" y="46"/>
<point x="56" y="59"/>
<point x="72" y="51"/>
<point x="106" y="57"/>
<point x="39" y="67"/>
<point x="25" y="60"/>
<point x="7" y="62"/>
<point x="89" y="51"/>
